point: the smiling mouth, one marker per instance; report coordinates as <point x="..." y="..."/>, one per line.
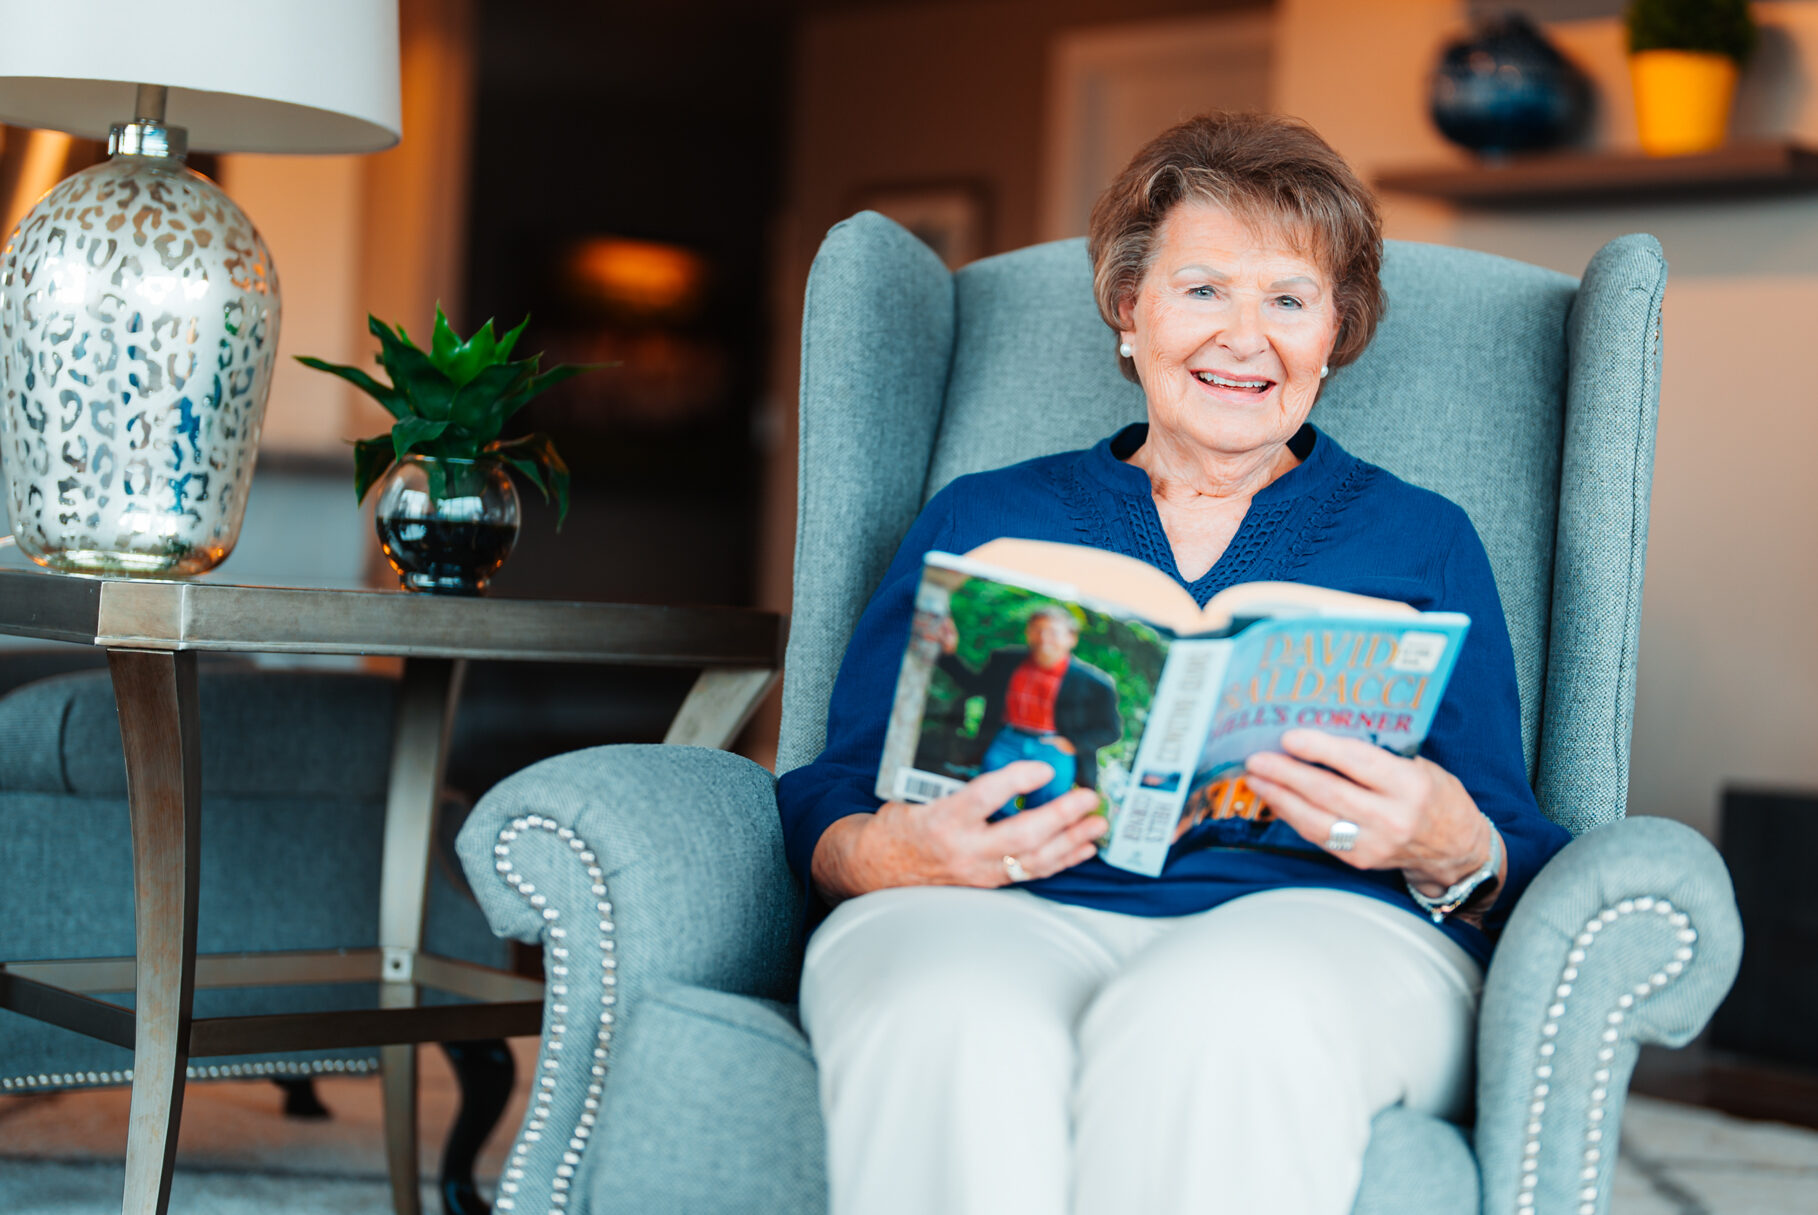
<point x="1219" y="381"/>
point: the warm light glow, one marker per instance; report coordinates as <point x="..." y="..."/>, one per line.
<point x="41" y="163"/>
<point x="641" y="277"/>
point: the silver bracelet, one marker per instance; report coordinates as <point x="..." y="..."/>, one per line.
<point x="1442" y="905"/>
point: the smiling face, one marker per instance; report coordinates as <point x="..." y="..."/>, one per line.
<point x="1230" y="327"/>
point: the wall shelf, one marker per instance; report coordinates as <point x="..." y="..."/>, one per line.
<point x="1580" y="178"/>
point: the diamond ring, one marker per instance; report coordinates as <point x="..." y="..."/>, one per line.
<point x="1014" y="868"/>
<point x="1342" y="837"/>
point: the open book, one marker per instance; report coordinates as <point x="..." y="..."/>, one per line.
<point x="1106" y="669"/>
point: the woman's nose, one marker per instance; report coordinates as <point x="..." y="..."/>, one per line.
<point x="1243" y="333"/>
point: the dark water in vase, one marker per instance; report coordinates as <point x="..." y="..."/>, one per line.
<point x="447" y="558"/>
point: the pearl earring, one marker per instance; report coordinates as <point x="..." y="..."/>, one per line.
<point x="1126" y="349"/>
<point x="1324" y="372"/>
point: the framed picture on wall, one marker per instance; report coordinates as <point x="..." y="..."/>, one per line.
<point x="950" y="217"/>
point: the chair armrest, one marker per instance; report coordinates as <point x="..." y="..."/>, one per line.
<point x="1629" y="936"/>
<point x="633" y="865"/>
<point x="684" y="845"/>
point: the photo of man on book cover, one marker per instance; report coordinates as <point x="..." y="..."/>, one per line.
<point x="1041" y="702"/>
<point x="1017" y="675"/>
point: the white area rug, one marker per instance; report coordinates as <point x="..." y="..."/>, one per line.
<point x="64" y="1154"/>
<point x="1682" y="1160"/>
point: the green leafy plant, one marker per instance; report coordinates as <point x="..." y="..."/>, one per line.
<point x="452" y="401"/>
<point x="1721" y="27"/>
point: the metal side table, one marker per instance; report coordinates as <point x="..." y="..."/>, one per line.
<point x="152" y="632"/>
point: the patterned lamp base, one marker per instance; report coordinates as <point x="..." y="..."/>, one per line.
<point x="139" y="320"/>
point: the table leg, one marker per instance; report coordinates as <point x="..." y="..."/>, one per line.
<point x="398" y="1084"/>
<point x="718" y="706"/>
<point x="160" y="730"/>
<point x="426" y="703"/>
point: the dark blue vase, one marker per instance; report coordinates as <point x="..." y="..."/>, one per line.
<point x="1505" y="89"/>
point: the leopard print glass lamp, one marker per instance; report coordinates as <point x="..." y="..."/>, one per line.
<point x="139" y="307"/>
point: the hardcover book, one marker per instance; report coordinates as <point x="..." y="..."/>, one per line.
<point x="1107" y="670"/>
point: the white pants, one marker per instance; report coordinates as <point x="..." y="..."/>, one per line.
<point x="991" y="1051"/>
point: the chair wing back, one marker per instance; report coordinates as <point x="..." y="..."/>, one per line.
<point x="877" y="336"/>
<point x="1527" y="399"/>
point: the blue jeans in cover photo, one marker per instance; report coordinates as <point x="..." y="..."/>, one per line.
<point x="1012" y="744"/>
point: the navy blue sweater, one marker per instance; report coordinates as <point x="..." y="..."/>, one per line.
<point x="1334" y="521"/>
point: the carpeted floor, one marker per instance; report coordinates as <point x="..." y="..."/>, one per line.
<point x="63" y="1154"/>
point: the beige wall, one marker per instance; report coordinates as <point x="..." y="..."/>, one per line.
<point x="308" y="210"/>
<point x="358" y="234"/>
<point x="1729" y="657"/>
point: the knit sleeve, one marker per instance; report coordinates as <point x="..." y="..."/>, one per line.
<point x="1476" y="734"/>
<point x="839" y="781"/>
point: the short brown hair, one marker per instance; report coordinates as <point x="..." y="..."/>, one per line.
<point x="1265" y="169"/>
<point x="1056" y="613"/>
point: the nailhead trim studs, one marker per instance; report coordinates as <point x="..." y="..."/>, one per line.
<point x="555" y="938"/>
<point x="1686" y="936"/>
<point x="195" y="1071"/>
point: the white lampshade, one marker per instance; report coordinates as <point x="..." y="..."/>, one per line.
<point x="243" y="75"/>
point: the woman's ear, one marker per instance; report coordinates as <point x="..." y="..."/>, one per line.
<point x="1126" y="319"/>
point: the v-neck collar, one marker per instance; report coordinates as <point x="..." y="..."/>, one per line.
<point x="1320" y="463"/>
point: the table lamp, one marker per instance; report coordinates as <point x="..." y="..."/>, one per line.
<point x="139" y="307"/>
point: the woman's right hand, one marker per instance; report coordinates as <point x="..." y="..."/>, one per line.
<point x="950" y="842"/>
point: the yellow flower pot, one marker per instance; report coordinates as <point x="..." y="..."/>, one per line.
<point x="1682" y="100"/>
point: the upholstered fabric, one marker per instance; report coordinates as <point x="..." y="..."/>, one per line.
<point x="261" y="732"/>
<point x="1629" y="936"/>
<point x="1417" y="1164"/>
<point x="653" y="864"/>
<point x="678" y="1137"/>
<point x="1525" y="397"/>
<point x="1613" y="335"/>
<point x="294" y="774"/>
<point x="886" y="352"/>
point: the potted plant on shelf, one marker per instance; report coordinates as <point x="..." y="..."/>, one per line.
<point x="447" y="513"/>
<point x="1684" y="57"/>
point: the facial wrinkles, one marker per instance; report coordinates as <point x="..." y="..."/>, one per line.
<point x="1231" y="328"/>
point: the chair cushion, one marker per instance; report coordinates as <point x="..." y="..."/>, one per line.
<point x="1417" y="1163"/>
<point x="713" y="1108"/>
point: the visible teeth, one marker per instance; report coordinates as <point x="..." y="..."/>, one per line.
<point x="1212" y="378"/>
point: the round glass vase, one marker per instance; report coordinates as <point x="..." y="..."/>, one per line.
<point x="446" y="525"/>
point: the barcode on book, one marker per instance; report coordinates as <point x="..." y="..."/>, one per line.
<point x="913" y="785"/>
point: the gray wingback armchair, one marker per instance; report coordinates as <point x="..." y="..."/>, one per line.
<point x="673" y="1075"/>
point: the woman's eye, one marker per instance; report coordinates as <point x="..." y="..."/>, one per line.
<point x="1288" y="301"/>
<point x="1202" y="293"/>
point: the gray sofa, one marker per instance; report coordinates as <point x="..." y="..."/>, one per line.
<point x="673" y="1075"/>
<point x="294" y="773"/>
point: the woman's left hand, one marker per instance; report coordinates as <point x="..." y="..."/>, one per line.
<point x="1411" y="814"/>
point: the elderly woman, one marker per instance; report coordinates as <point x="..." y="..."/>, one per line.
<point x="1006" y="1024"/>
